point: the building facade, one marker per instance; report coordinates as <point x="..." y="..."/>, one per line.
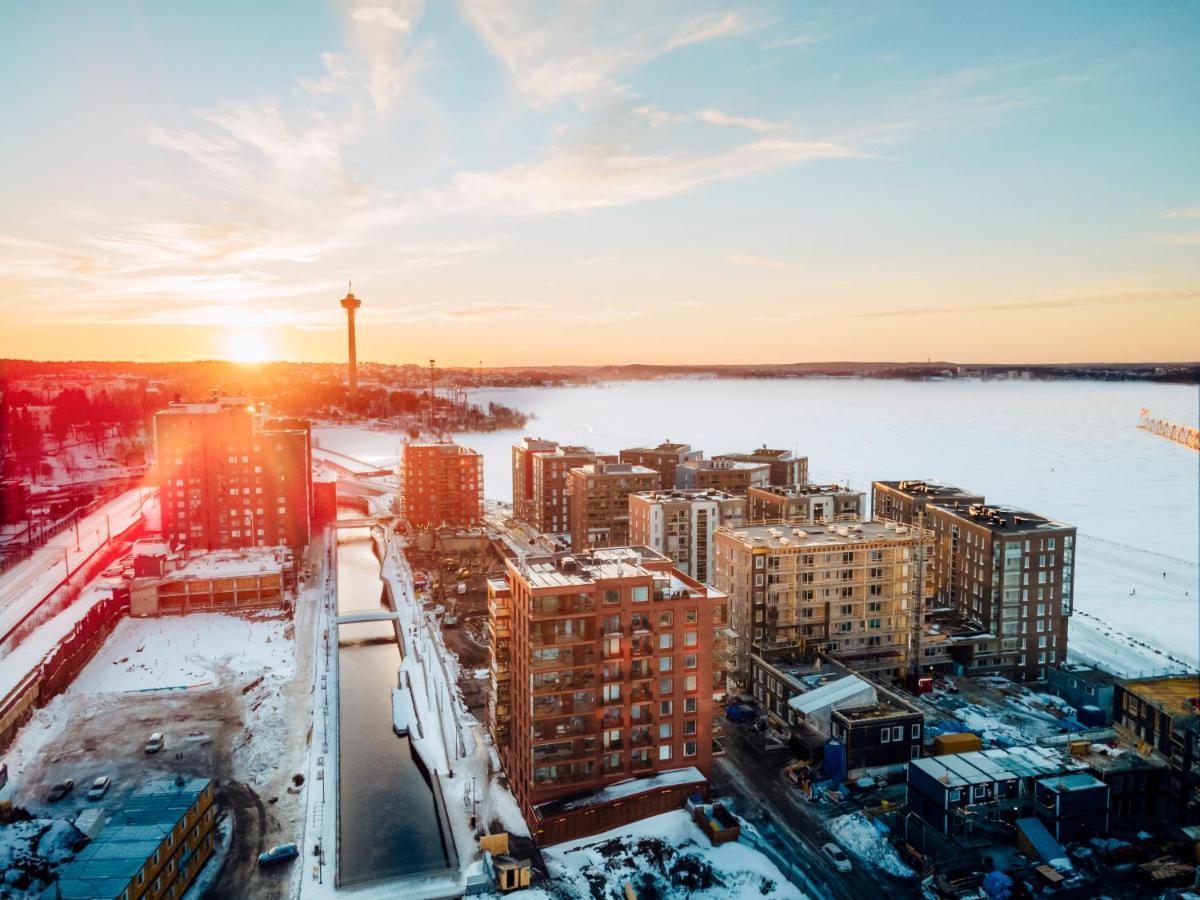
<point x="847" y="589"/>
<point x="806" y="504"/>
<point x="729" y="475"/>
<point x="541" y="482"/>
<point x="522" y="474"/>
<point x="599" y="502"/>
<point x="602" y="671"/>
<point x="1013" y="573"/>
<point x="904" y="501"/>
<point x="230" y="477"/>
<point x="680" y="525"/>
<point x="1163" y="714"/>
<point x="664" y="459"/>
<point x="786" y="467"/>
<point x="441" y="484"/>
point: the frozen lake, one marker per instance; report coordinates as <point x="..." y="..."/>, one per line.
<point x="1068" y="450"/>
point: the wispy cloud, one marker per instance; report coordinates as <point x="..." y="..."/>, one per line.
<point x="1066" y="300"/>
<point x="560" y="52"/>
<point x="656" y="117"/>
<point x="757" y="262"/>
<point x="1183" y="212"/>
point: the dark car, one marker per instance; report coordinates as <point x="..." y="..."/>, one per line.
<point x="61" y="790"/>
<point x="282" y="853"/>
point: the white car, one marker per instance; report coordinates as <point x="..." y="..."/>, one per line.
<point x="99" y="787"/>
<point x="838" y="856"/>
<point x="155" y="743"/>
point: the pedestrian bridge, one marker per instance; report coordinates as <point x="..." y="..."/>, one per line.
<point x="375" y="615"/>
<point x="362" y="522"/>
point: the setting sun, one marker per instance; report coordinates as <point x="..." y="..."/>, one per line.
<point x="247" y="345"/>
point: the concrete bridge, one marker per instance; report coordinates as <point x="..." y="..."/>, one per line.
<point x="381" y="615"/>
<point x="363" y="521"/>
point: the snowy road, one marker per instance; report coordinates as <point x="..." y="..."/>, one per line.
<point x="25" y="586"/>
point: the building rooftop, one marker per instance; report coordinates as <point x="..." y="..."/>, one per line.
<point x="1176" y="695"/>
<point x="1072" y="781"/>
<point x="934" y="490"/>
<point x="834" y="535"/>
<point x="1086" y="674"/>
<point x="722" y="464"/>
<point x="1006" y="518"/>
<point x="805" y="490"/>
<point x="614" y="470"/>
<point x="763" y="452"/>
<point x="607" y="564"/>
<point x="997" y="764"/>
<point x="684" y="496"/>
<point x="215" y="405"/>
<point x="664" y="447"/>
<point x="109" y="862"/>
<point x="448" y="447"/>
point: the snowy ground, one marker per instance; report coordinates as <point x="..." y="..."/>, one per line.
<point x="994" y="707"/>
<point x="663" y="856"/>
<point x="858" y="835"/>
<point x="30" y="851"/>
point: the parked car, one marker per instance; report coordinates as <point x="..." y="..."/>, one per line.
<point x="156" y="742"/>
<point x="282" y="853"/>
<point x="841" y="861"/>
<point x="61" y="790"/>
<point x="99" y="787"/>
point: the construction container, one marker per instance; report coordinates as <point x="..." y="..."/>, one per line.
<point x="963" y="742"/>
<point x="1091" y="716"/>
<point x="835" y="760"/>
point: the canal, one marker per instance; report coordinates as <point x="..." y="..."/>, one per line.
<point x="387" y="821"/>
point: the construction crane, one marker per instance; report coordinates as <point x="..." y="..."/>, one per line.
<point x="1180" y="434"/>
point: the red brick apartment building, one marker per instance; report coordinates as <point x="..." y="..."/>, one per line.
<point x="786" y="467"/>
<point x="441" y="483"/>
<point x="806" y="504"/>
<point x="601" y="671"/>
<point x="541" y="483"/>
<point x="230" y="477"/>
<point x="729" y="475"/>
<point x="600" y="502"/>
<point x="663" y="459"/>
<point x="903" y="501"/>
<point x="1012" y="572"/>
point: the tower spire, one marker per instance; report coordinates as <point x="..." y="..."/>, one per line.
<point x="350" y="303"/>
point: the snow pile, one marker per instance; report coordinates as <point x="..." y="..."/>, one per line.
<point x="859" y="835"/>
<point x="191" y="651"/>
<point x="30" y="852"/>
<point x="663" y="856"/>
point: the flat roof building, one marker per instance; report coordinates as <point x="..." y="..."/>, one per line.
<point x="728" y="475"/>
<point x="600" y="502"/>
<point x="806" y="504"/>
<point x="786" y="467"/>
<point x="541" y="482"/>
<point x="1164" y="714"/>
<point x="1012" y="572"/>
<point x="441" y="484"/>
<point x="903" y="501"/>
<point x="845" y="588"/>
<point x="680" y="525"/>
<point x="664" y="459"/>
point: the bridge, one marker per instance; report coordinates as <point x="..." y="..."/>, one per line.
<point x="363" y="521"/>
<point x="380" y="615"/>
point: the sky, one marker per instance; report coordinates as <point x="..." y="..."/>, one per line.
<point x="514" y="183"/>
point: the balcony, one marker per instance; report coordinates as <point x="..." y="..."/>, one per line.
<point x="612" y="672"/>
<point x="551" y="607"/>
<point x="576" y="681"/>
<point x="640" y="737"/>
<point x="549" y="707"/>
<point x="560" y="639"/>
<point x="557" y="730"/>
<point x="613" y="700"/>
<point x="572" y="659"/>
<point x="642" y="648"/>
<point x="642" y="764"/>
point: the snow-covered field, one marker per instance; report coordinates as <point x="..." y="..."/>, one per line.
<point x="187" y="652"/>
<point x="664" y="856"/>
<point x="30" y="851"/>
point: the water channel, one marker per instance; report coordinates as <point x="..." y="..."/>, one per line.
<point x="387" y="821"/>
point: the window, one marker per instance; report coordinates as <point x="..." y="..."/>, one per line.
<point x="898" y="733"/>
<point x="664" y="619"/>
<point x="689" y="726"/>
<point x="666" y="685"/>
<point x="640" y="594"/>
<point x="664" y="752"/>
<point x="691" y="617"/>
<point x="690" y="661"/>
<point x="689" y="704"/>
<point x="691" y="638"/>
<point x="689" y="748"/>
<point x="664" y="641"/>
<point x="612" y="596"/>
<point x="665" y="663"/>
<point x="916" y="730"/>
<point x="665" y="707"/>
<point x="885" y="735"/>
<point x="689" y="683"/>
<point x="664" y="731"/>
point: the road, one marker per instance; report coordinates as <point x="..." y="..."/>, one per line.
<point x="24" y="587"/>
<point x="756" y="782"/>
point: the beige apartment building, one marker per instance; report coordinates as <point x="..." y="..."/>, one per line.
<point x="786" y="467"/>
<point x="680" y="525"/>
<point x="848" y="589"/>
<point x="664" y="459"/>
<point x="599" y="502"/>
<point x="728" y="475"/>
<point x="806" y="504"/>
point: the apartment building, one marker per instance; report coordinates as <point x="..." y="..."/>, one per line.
<point x="728" y="475"/>
<point x="1163" y="714"/>
<point x="522" y="474"/>
<point x="230" y="477"/>
<point x="664" y="459"/>
<point x="805" y="504"/>
<point x="680" y="525"/>
<point x="599" y="504"/>
<point x="441" y="483"/>
<point x="847" y="589"/>
<point x="903" y="501"/>
<point x="1012" y="572"/>
<point x="786" y="467"/>
<point x="601" y="672"/>
<point x="152" y="848"/>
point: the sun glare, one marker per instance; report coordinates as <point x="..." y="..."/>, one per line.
<point x="248" y="345"/>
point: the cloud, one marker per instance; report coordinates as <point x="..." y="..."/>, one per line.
<point x="381" y="16"/>
<point x="757" y="262"/>
<point x="1062" y="301"/>
<point x="801" y="39"/>
<point x="1177" y="238"/>
<point x="337" y="75"/>
<point x="1184" y="212"/>
<point x="559" y="52"/>
<point x="576" y="181"/>
<point x="657" y="117"/>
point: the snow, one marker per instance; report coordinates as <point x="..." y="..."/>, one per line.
<point x="188" y="652"/>
<point x="858" y="834"/>
<point x="32" y="848"/>
<point x="666" y="855"/>
<point x="229" y="563"/>
<point x="633" y="786"/>
<point x="25" y="586"/>
<point x="28" y="654"/>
